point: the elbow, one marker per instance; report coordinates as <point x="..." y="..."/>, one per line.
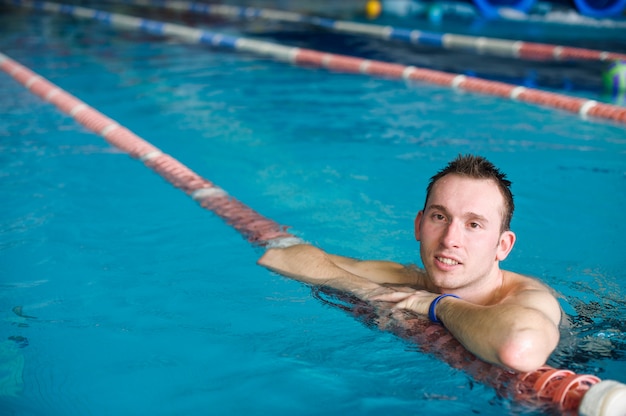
<point x="287" y="259"/>
<point x="522" y="357"/>
<point x="271" y="258"/>
<point x="527" y="350"/>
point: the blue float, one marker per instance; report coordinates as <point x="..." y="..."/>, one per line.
<point x="600" y="8"/>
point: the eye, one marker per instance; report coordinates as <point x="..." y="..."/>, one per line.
<point x="438" y="217"/>
<point x="474" y="225"/>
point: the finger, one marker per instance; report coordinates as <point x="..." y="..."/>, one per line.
<point x="402" y="304"/>
<point x="410" y="303"/>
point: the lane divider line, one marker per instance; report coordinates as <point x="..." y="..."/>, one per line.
<point x="342" y="63"/>
<point x="479" y="44"/>
<point x="256" y="228"/>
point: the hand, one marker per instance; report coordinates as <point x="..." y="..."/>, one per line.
<point x="417" y="301"/>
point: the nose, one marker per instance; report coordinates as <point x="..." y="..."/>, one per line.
<point x="452" y="235"/>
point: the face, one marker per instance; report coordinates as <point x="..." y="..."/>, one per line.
<point x="459" y="232"/>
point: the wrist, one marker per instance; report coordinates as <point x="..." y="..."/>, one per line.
<point x="432" y="313"/>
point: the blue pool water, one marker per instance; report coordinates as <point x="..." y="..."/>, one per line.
<point x="120" y="295"/>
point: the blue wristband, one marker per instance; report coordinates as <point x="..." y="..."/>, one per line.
<point x="431" y="310"/>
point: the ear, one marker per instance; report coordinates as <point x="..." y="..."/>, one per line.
<point x="505" y="245"/>
<point x="418" y="221"/>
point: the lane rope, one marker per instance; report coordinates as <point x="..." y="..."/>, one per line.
<point x="585" y="108"/>
<point x="478" y="44"/>
<point x="256" y="228"/>
<point x="560" y="388"/>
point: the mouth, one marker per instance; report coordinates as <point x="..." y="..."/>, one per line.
<point x="447" y="261"/>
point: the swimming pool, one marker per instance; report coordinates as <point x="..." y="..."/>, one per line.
<point x="121" y="295"/>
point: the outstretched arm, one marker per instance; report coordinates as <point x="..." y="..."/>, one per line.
<point x="310" y="264"/>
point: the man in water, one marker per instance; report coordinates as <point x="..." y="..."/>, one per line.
<point x="502" y="317"/>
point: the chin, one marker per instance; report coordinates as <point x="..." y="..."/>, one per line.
<point x="446" y="282"/>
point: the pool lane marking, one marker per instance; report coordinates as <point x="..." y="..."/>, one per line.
<point x="585" y="108"/>
<point x="543" y="385"/>
<point x="479" y="44"/>
<point x="257" y="229"/>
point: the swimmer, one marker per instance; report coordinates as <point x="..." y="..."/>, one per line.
<point x="502" y="317"/>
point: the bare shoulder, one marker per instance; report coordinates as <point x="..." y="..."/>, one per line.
<point x="532" y="293"/>
<point x="515" y="283"/>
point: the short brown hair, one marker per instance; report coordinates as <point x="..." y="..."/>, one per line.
<point x="478" y="167"/>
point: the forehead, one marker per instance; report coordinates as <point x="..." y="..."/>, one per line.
<point x="464" y="194"/>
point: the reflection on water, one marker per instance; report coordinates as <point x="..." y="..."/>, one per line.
<point x="593" y="333"/>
